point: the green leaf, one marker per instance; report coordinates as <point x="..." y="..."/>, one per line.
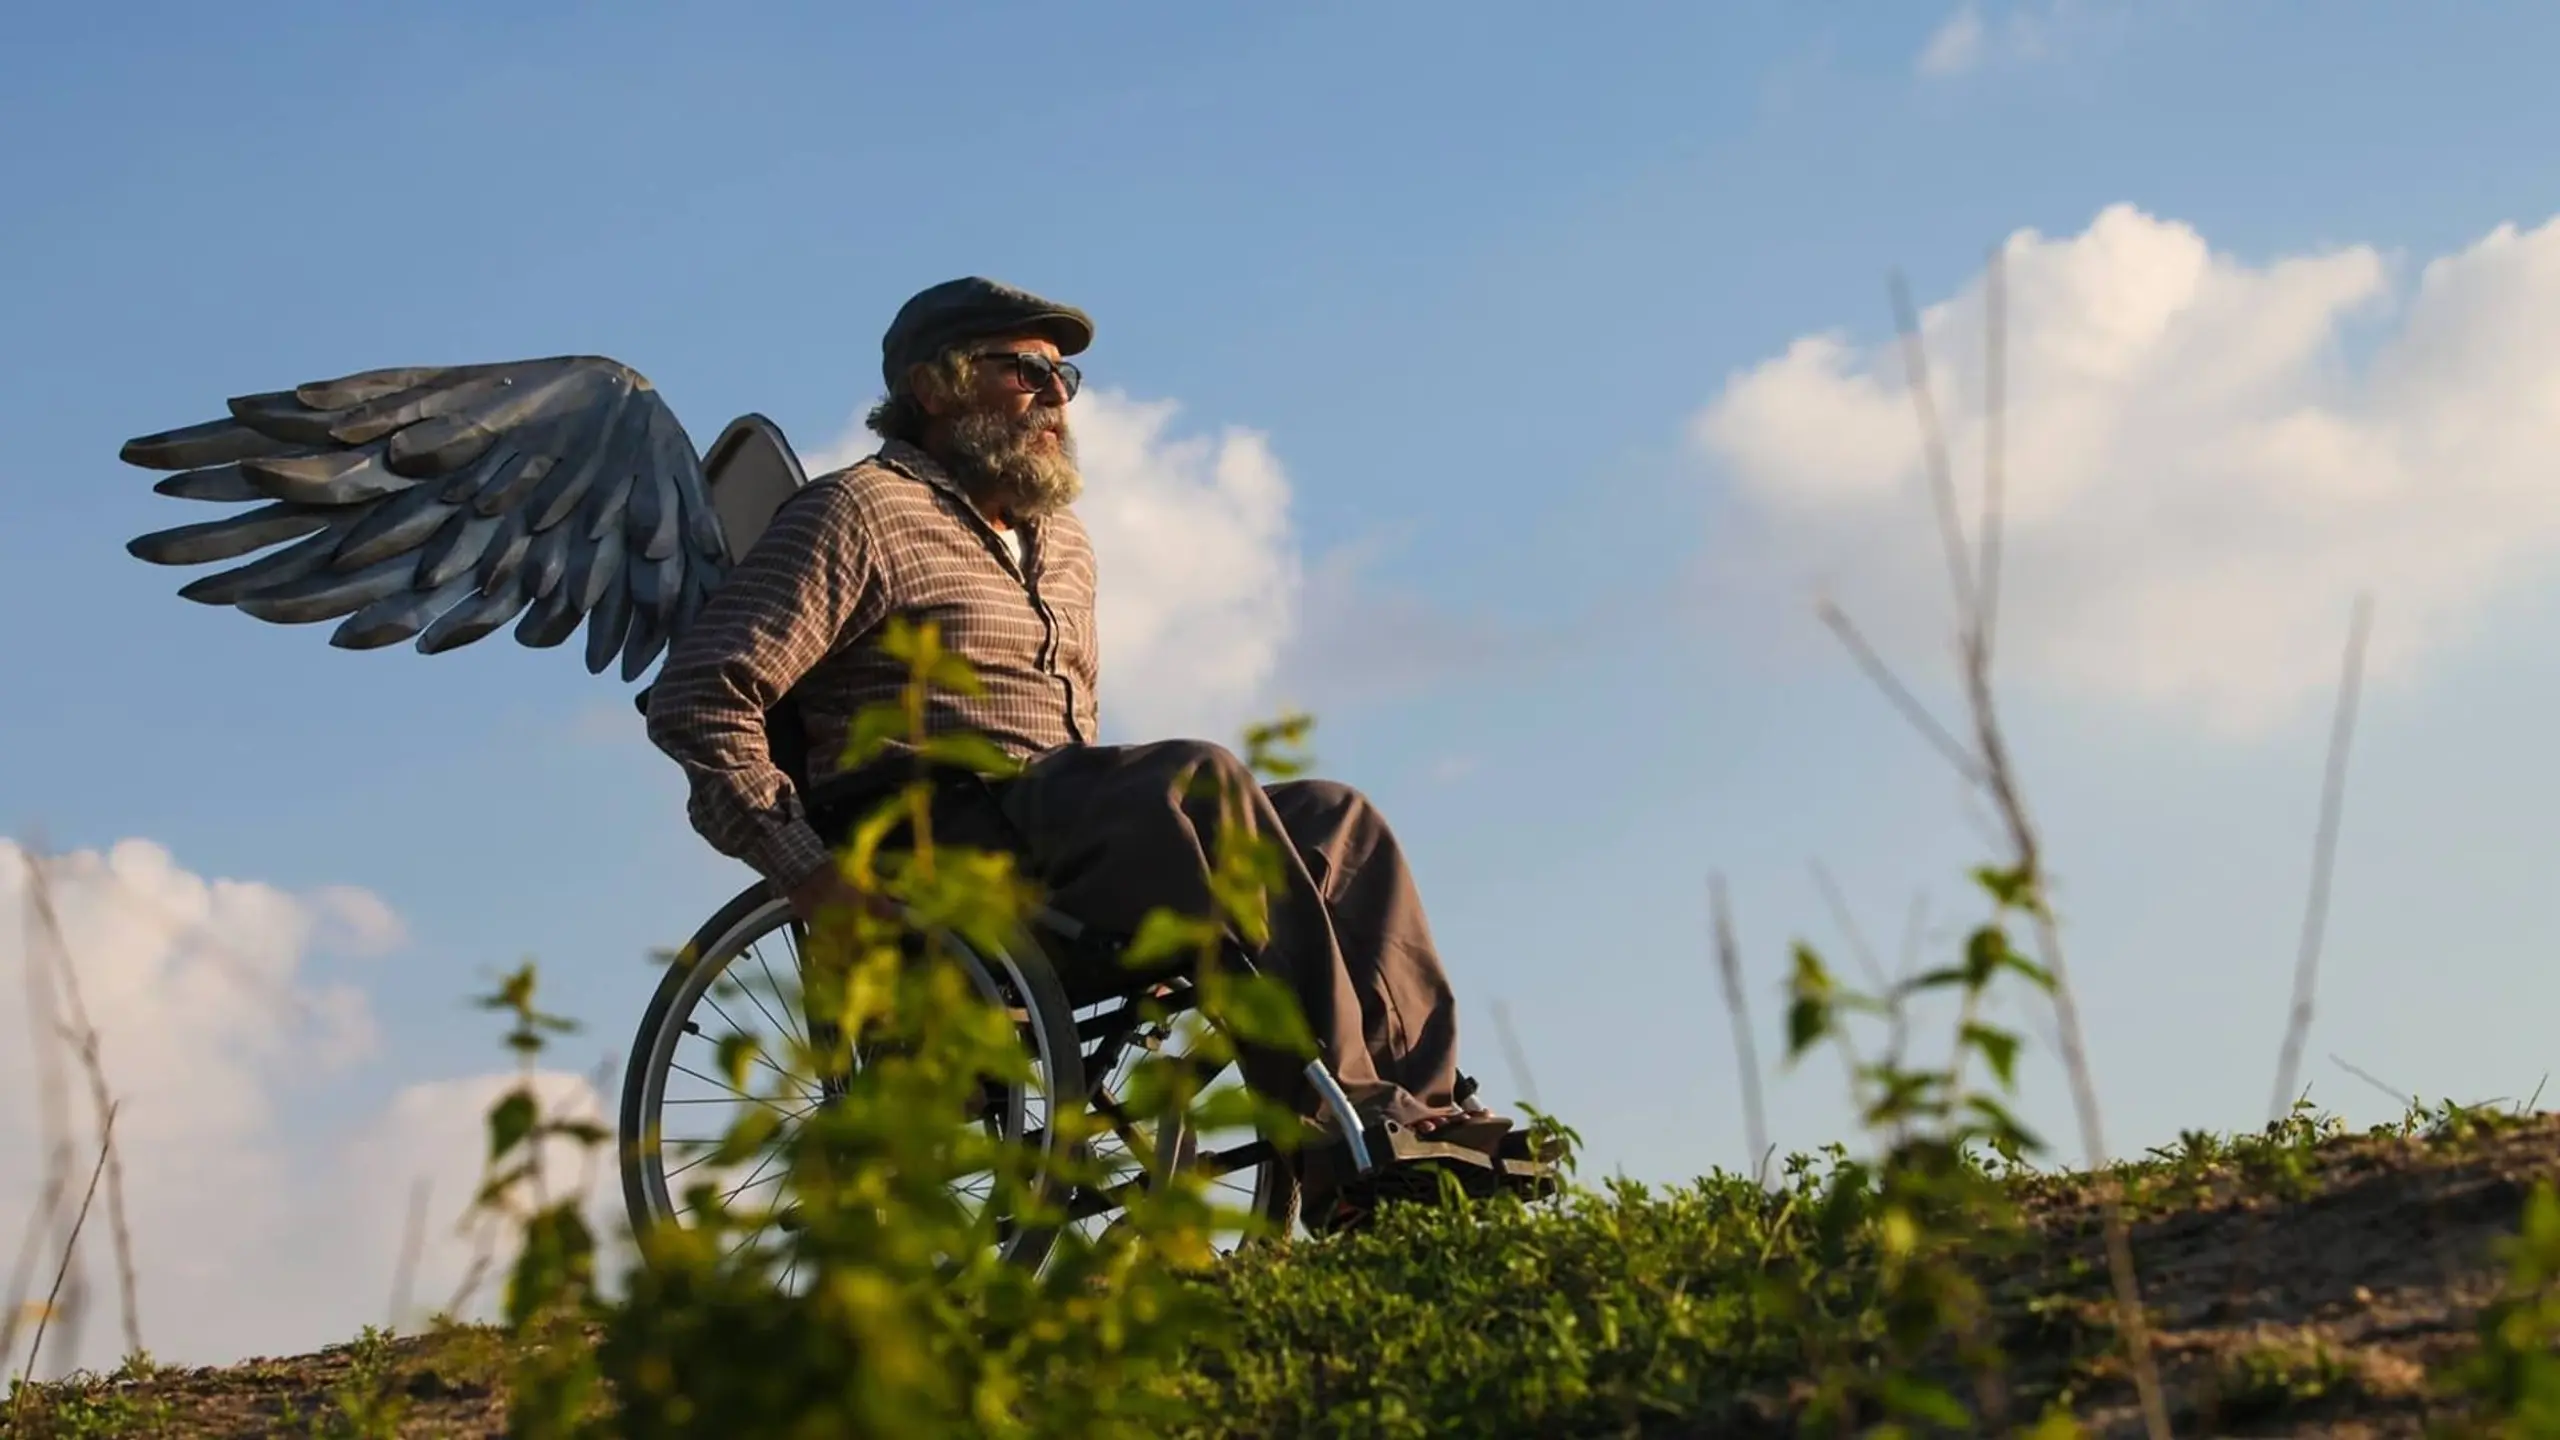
<point x="873" y="728"/>
<point x="2013" y="888"/>
<point x="2036" y="974"/>
<point x="1908" y="1395"/>
<point x="1259" y="1010"/>
<point x="510" y="1120"/>
<point x="1999" y="1048"/>
<point x="971" y="751"/>
<point x="949" y="672"/>
<point x="1808" y="1020"/>
<point x="1166" y="935"/>
<point x="1985" y="951"/>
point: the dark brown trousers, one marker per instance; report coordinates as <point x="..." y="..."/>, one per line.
<point x="1116" y="831"/>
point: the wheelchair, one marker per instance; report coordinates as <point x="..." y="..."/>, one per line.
<point x="1084" y="1019"/>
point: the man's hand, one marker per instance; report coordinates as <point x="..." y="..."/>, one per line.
<point x="828" y="890"/>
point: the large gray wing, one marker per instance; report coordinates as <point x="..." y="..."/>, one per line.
<point x="443" y="502"/>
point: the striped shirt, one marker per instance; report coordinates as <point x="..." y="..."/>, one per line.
<point x="801" y="614"/>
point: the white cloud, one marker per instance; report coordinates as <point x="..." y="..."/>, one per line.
<point x="249" y="1236"/>
<point x="2199" y="480"/>
<point x="1202" y="583"/>
<point x="1955" y="46"/>
<point x="1968" y="41"/>
<point x="1201" y="576"/>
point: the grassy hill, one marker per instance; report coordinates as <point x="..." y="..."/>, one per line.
<point x="2303" y="1281"/>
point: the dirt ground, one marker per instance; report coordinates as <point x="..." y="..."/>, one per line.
<point x="2318" y="1303"/>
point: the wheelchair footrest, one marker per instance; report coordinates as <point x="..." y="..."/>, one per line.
<point x="1408" y="1166"/>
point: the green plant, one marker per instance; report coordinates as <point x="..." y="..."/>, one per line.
<point x="861" y="1295"/>
<point x="2514" y="1375"/>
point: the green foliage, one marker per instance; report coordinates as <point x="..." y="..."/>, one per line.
<point x="2515" y="1373"/>
<point x="1928" y="1210"/>
<point x="866" y="1293"/>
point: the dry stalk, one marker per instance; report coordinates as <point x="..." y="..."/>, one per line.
<point x="2324" y="854"/>
<point x="1514" y="1056"/>
<point x="84" y="1041"/>
<point x="1988" y="765"/>
<point x="413" y="1240"/>
<point x="70" y="1247"/>
<point x="1746" y="1054"/>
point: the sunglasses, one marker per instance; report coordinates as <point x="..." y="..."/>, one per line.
<point x="1037" y="371"/>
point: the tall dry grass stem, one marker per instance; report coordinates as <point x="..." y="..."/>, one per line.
<point x="2324" y="855"/>
<point x="1746" y="1050"/>
<point x="81" y="1033"/>
<point x="1988" y="765"/>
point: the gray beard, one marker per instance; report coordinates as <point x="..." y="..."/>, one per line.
<point x="997" y="459"/>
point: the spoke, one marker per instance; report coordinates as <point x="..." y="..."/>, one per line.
<point x="777" y="994"/>
<point x="736" y="1028"/>
<point x="734" y="1090"/>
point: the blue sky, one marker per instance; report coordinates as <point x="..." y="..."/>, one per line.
<point x="1474" y="277"/>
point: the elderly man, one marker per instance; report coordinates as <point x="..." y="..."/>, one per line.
<point x="963" y="517"/>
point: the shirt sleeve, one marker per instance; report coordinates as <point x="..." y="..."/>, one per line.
<point x="808" y="582"/>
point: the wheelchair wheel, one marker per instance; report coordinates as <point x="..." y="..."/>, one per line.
<point x="744" y="980"/>
<point x="1244" y="1174"/>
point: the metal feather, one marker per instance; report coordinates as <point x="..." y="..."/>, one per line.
<point x="219" y="482"/>
<point x="472" y="619"/>
<point x="330" y="594"/>
<point x="605" y="508"/>
<point x="606" y="626"/>
<point x="594" y="569"/>
<point x="567" y="485"/>
<point x="463" y="431"/>
<point x="547" y="561"/>
<point x="396" y="525"/>
<point x="648" y="636"/>
<point x="507" y="485"/>
<point x="337" y="477"/>
<point x="447" y="390"/>
<point x="553" y="618"/>
<point x="504" y="558"/>
<point x="230" y="536"/>
<point x="224" y="587"/>
<point x="655" y="584"/>
<point x="397" y="616"/>
<point x="349" y="391"/>
<point x="280" y="414"/>
<point x="456" y="547"/>
<point x="215" y="442"/>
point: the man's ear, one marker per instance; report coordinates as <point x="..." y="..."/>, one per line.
<point x="929" y="394"/>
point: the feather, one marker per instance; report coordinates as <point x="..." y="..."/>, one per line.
<point x="606" y="625"/>
<point x="224" y="587"/>
<point x="472" y="619"/>
<point x="567" y="485"/>
<point x="461" y="432"/>
<point x="457" y="547"/>
<point x="215" y="442"/>
<point x="365" y="386"/>
<point x="508" y="484"/>
<point x="230" y="536"/>
<point x="449" y="390"/>
<point x="648" y="636"/>
<point x="547" y="561"/>
<point x="595" y="568"/>
<point x="279" y="414"/>
<point x="504" y="559"/>
<point x="339" y="477"/>
<point x="396" y="525"/>
<point x="219" y="482"/>
<point x="330" y="594"/>
<point x="397" y="616"/>
<point x="553" y="618"/>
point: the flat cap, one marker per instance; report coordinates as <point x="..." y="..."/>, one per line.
<point x="967" y="309"/>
